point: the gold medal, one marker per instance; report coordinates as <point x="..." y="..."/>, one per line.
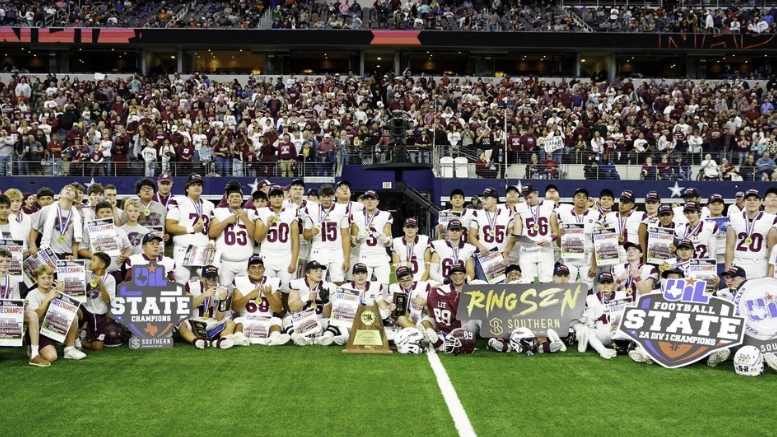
<point x="665" y="266"/>
<point x="93" y="283"/>
<point x="491" y="233"/>
<point x="199" y="221"/>
<point x="146" y="212"/>
<point x="205" y="315"/>
<point x="318" y="226"/>
<point x="748" y="240"/>
<point x="61" y="238"/>
<point x="536" y="227"/>
<point x="621" y="239"/>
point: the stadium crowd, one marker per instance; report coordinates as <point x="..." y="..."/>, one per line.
<point x="293" y="126"/>
<point x="278" y="256"/>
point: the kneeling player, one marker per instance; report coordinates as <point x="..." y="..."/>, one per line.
<point x="39" y="299"/>
<point x="100" y="290"/>
<point x="309" y="307"/>
<point x="594" y="327"/>
<point x="257" y="299"/>
<point x="209" y="325"/>
<point x="442" y="304"/>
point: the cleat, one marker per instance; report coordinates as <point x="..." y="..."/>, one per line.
<point x="718" y="357"/>
<point x="72" y="353"/>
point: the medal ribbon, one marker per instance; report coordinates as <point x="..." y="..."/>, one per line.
<point x="197" y="207"/>
<point x="688" y="232"/>
<point x="145" y="207"/>
<point x="622" y="223"/>
<point x="491" y="219"/>
<point x="579" y="218"/>
<point x="630" y="279"/>
<point x="159" y="199"/>
<point x="63" y="227"/>
<point x="314" y="292"/>
<point x="260" y="297"/>
<point x="367" y="222"/>
<point x="535" y="212"/>
<point x="19" y="216"/>
<point x="410" y="247"/>
<point x="454" y="251"/>
<point x="7" y="287"/>
<point x="749" y="224"/>
<point x="324" y="216"/>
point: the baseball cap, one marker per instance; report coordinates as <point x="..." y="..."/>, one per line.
<point x="458" y="191"/>
<point x="581" y="190"/>
<point x="359" y="267"/>
<point x="510" y="267"/>
<point x="690" y="192"/>
<point x="513" y="188"/>
<point x="402" y="271"/>
<point x="411" y="222"/>
<point x="458" y="267"/>
<point x="550" y="187"/>
<point x="691" y="206"/>
<point x="752" y="192"/>
<point x="526" y="189"/>
<point x="627" y="196"/>
<point x="255" y="259"/>
<point x="343" y="182"/>
<point x="165" y="177"/>
<point x="652" y="196"/>
<point x="232" y="187"/>
<point x="629" y="244"/>
<point x="735" y="271"/>
<point x="561" y="270"/>
<point x="314" y="265"/>
<point x="490" y="192"/>
<point x="151" y="236"/>
<point x="263" y="183"/>
<point x="209" y="271"/>
<point x="739" y="194"/>
<point x="604" y="277"/>
<point x="297" y="182"/>
<point x="685" y="243"/>
<point x="275" y="189"/>
<point x="677" y="270"/>
<point x="665" y="209"/>
<point x="194" y="178"/>
<point x="716" y="198"/>
<point x="455" y="224"/>
<point x="371" y="193"/>
<point x="313" y="192"/>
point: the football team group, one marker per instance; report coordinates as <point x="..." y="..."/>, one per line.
<point x="287" y="253"/>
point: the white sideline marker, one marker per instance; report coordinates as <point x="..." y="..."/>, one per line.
<point x="460" y="418"/>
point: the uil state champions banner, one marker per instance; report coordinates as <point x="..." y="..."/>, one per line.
<point x="504" y="307"/>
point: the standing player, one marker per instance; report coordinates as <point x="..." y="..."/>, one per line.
<point x="462" y="214"/>
<point x="702" y="233"/>
<point x="591" y="220"/>
<point x="716" y="205"/>
<point x="233" y="229"/>
<point x="104" y="210"/>
<point x="131" y="227"/>
<point x="446" y="254"/>
<point x="412" y="250"/>
<point x="258" y="295"/>
<point x="207" y="308"/>
<point x="187" y="221"/>
<point x="164" y="196"/>
<point x="538" y="221"/>
<point x="345" y="206"/>
<point x="750" y="237"/>
<point x="626" y="222"/>
<point x="371" y="231"/>
<point x="327" y="228"/>
<point x="277" y="231"/>
<point x="60" y="224"/>
<point x="152" y="213"/>
<point x="490" y="228"/>
<point x="298" y="204"/>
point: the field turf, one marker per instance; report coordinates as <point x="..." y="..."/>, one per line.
<point x="317" y="391"/>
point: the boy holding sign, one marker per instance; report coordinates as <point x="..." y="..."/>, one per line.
<point x="39" y="300"/>
<point x="9" y="289"/>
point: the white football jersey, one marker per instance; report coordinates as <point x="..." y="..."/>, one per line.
<point x="234" y="242"/>
<point x="703" y="235"/>
<point x="277" y="241"/>
<point x="332" y="224"/>
<point x="187" y="212"/>
<point x="590" y="219"/>
<point x="372" y="293"/>
<point x="373" y="227"/>
<point x="759" y="228"/>
<point x="451" y="254"/>
<point x="493" y="228"/>
<point x="411" y="254"/>
<point x="314" y="295"/>
<point x="259" y="306"/>
<point x="418" y="289"/>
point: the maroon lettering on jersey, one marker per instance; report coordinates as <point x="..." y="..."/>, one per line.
<point x="442" y="304"/>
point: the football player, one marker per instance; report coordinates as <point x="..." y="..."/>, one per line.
<point x="209" y="311"/>
<point x="590" y="219"/>
<point x="327" y="227"/>
<point x="152" y="213"/>
<point x="164" y="195"/>
<point x="716" y="205"/>
<point x="371" y="232"/>
<point x="277" y="231"/>
<point x="626" y="222"/>
<point x="346" y="207"/>
<point x="258" y="297"/>
<point x="412" y="250"/>
<point x="188" y="218"/>
<point x="233" y="229"/>
<point x="665" y="220"/>
<point x="538" y="221"/>
<point x="464" y="215"/>
<point x="734" y="277"/>
<point x="38" y="300"/>
<point x="702" y="233"/>
<point x="310" y="294"/>
<point x="100" y="291"/>
<point x="445" y="254"/>
<point x="561" y="274"/>
<point x="104" y="210"/>
<point x="750" y="237"/>
<point x="634" y="277"/>
<point x="296" y="191"/>
<point x="151" y="244"/>
<point x="19" y="223"/>
<point x="9" y="289"/>
<point x="416" y="293"/>
<point x="594" y="327"/>
<point x="684" y="251"/>
<point x="652" y="203"/>
<point x="490" y="229"/>
<point x="513" y="275"/>
<point x="442" y="303"/>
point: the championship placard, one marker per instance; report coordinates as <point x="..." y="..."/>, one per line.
<point x="305" y="322"/>
<point x="102" y="237"/>
<point x="367" y="333"/>
<point x="256" y="328"/>
<point x="345" y="302"/>
<point x="11" y="322"/>
<point x="606" y="247"/>
<point x="200" y="256"/>
<point x="400" y="304"/>
<point x="44" y="257"/>
<point x="59" y="316"/>
<point x="703" y="269"/>
<point x="659" y="245"/>
<point x="72" y="273"/>
<point x="493" y="266"/>
<point x="16" y="247"/>
<point x="504" y="307"/>
<point x="573" y="241"/>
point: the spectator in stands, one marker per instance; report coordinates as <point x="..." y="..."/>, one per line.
<point x="649" y="170"/>
<point x="483" y="167"/>
<point x="728" y="171"/>
<point x="664" y="168"/>
<point x="748" y="169"/>
<point x="607" y="169"/>
<point x="681" y="171"/>
<point x="765" y="166"/>
<point x="709" y="168"/>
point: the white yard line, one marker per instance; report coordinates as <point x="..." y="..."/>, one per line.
<point x="460" y="418"/>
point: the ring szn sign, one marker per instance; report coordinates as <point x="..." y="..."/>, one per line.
<point x="151" y="307"/>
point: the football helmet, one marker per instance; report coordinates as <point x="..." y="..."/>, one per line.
<point x="623" y="346"/>
<point x="749" y="361"/>
<point x="459" y="342"/>
<point x="571" y="338"/>
<point x="114" y="335"/>
<point x="523" y="340"/>
<point x="409" y="341"/>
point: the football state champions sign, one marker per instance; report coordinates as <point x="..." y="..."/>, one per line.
<point x="682" y="324"/>
<point x="756" y="301"/>
<point x="150" y="306"/>
<point x="504" y="307"/>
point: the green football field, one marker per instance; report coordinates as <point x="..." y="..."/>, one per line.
<point x="317" y="391"/>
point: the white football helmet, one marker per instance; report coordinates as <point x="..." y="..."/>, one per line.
<point x="749" y="361"/>
<point x="409" y="341"/>
<point x="523" y="340"/>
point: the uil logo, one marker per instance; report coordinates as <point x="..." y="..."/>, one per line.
<point x="756" y="301"/>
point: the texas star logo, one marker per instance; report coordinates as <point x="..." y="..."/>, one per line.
<point x="682" y="324"/>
